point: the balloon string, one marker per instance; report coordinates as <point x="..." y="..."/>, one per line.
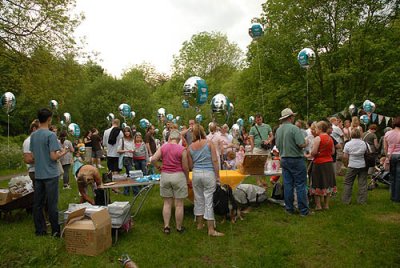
<point x="260" y="81"/>
<point x="308" y="103"/>
<point x="8" y="139"/>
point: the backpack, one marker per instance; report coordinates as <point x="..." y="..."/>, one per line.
<point x="223" y="200"/>
<point x="249" y="193"/>
<point x="277" y="192"/>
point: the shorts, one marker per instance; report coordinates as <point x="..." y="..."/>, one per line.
<point x="112" y="163"/>
<point x="97" y="154"/>
<point x="173" y="185"/>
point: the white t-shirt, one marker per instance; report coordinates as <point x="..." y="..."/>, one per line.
<point x="337" y="134"/>
<point x="25" y="150"/>
<point x="128" y="145"/>
<point x="112" y="150"/>
<point x="355" y="148"/>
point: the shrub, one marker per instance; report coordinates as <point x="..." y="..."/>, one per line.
<point x="10" y="158"/>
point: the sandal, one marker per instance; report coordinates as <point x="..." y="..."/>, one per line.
<point x="182" y="230"/>
<point x="215" y="234"/>
<point x="167" y="230"/>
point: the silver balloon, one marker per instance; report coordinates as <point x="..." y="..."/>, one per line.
<point x="62" y="122"/>
<point x="67" y="118"/>
<point x="190" y="89"/>
<point x="251" y="120"/>
<point x="352" y="109"/>
<point x="8" y="102"/>
<point x="199" y="118"/>
<point x="124" y="109"/>
<point x="132" y="115"/>
<point x="53" y="105"/>
<point x="220" y="107"/>
<point x="178" y="118"/>
<point x="110" y="117"/>
<point x="306" y="58"/>
<point x="156" y="130"/>
<point x="161" y="113"/>
<point x="124" y="125"/>
<point x="74" y="130"/>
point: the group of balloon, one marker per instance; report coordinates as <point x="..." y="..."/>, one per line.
<point x="195" y="94"/>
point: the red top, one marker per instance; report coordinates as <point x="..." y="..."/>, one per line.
<point x="171" y="158"/>
<point x="324" y="150"/>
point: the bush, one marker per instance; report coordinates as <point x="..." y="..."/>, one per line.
<point x="11" y="158"/>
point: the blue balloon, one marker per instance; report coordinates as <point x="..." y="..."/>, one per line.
<point x="369" y="106"/>
<point x="195" y="90"/>
<point x="185" y="104"/>
<point x="240" y="122"/>
<point x="124" y="110"/>
<point x="170" y="117"/>
<point x="144" y="123"/>
<point x="364" y="119"/>
<point x="306" y="58"/>
<point x="199" y="118"/>
<point x="74" y="130"/>
<point x="256" y="30"/>
<point x="174" y="121"/>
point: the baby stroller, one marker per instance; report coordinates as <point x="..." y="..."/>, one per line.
<point x="380" y="175"/>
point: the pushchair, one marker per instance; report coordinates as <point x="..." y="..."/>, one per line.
<point x="380" y="175"/>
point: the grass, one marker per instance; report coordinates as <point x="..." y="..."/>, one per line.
<point x="345" y="236"/>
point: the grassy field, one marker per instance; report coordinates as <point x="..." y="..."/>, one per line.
<point x="344" y="236"/>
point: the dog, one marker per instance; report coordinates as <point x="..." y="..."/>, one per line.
<point x="225" y="205"/>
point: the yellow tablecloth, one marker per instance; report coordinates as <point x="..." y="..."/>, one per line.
<point x="231" y="177"/>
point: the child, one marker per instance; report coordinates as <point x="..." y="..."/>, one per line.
<point x="240" y="155"/>
<point x="230" y="163"/>
<point x="275" y="153"/>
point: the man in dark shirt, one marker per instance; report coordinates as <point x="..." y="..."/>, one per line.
<point x="150" y="145"/>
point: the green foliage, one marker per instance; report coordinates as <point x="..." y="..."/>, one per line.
<point x="27" y="24"/>
<point x="204" y="53"/>
<point x="11" y="153"/>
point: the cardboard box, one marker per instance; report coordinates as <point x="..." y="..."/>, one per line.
<point x="5" y="196"/>
<point x="88" y="235"/>
<point x="253" y="164"/>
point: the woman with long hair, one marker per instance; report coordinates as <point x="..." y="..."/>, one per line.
<point x="126" y="147"/>
<point x="203" y="160"/>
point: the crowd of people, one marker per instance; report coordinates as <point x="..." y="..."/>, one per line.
<point x="311" y="157"/>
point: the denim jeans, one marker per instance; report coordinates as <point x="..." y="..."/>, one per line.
<point x="395" y="174"/>
<point x="46" y="189"/>
<point x="141" y="165"/>
<point x="295" y="176"/>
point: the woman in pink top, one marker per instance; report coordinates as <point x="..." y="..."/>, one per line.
<point x="392" y="162"/>
<point x="174" y="179"/>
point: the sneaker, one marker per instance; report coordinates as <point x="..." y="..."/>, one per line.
<point x="67" y="187"/>
<point x="309" y="213"/>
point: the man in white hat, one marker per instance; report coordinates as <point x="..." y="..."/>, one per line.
<point x="290" y="142"/>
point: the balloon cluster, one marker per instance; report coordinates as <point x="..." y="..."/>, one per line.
<point x="306" y="58"/>
<point x="8" y="102"/>
<point x="195" y="92"/>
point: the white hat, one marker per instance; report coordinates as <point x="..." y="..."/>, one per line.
<point x="286" y="113"/>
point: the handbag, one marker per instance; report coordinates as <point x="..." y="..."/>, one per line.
<point x="263" y="145"/>
<point x="369" y="157"/>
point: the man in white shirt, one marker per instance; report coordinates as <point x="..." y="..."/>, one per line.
<point x="110" y="141"/>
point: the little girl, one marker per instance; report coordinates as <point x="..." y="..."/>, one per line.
<point x="275" y="153"/>
<point x="230" y="163"/>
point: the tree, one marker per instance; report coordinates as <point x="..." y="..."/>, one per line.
<point x="26" y="24"/>
<point x="204" y="53"/>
